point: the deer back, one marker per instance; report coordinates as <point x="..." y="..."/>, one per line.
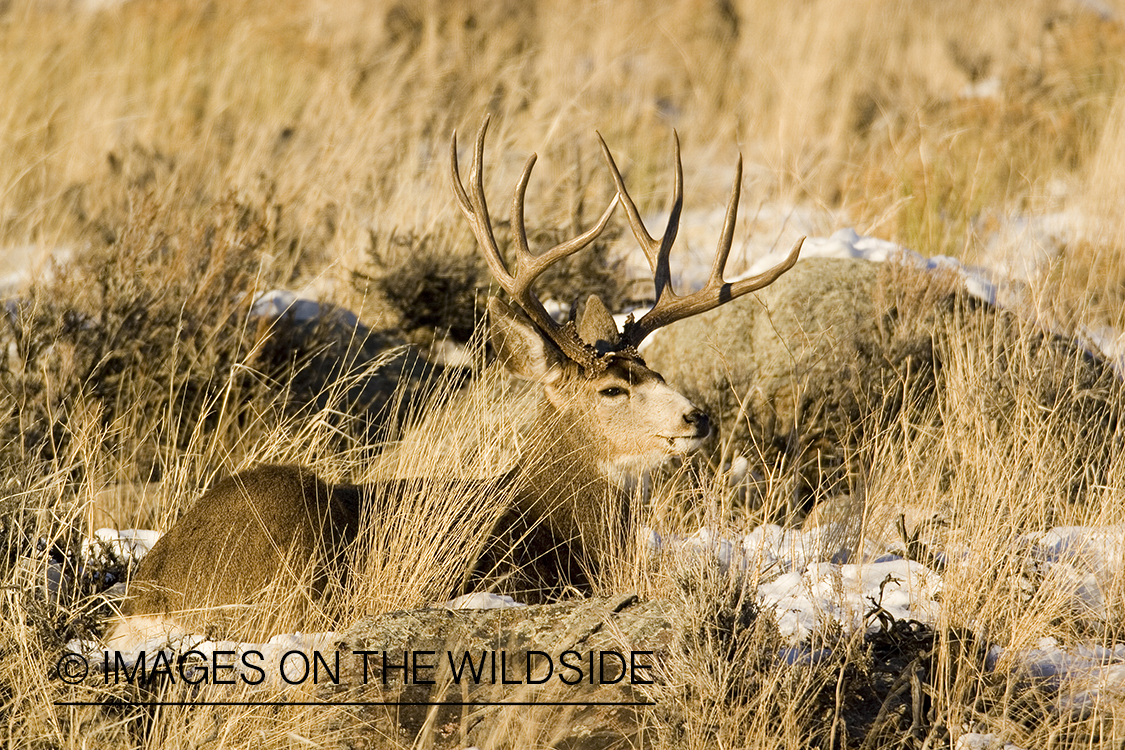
<point x="250" y="531"/>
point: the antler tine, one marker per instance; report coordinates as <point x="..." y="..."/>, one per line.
<point x="764" y="279"/>
<point x="476" y="179"/>
<point x="519" y="229"/>
<point x="726" y="239"/>
<point x="455" y="176"/>
<point x="657" y="252"/>
<point x="528" y="266"/>
<point x="475" y="208"/>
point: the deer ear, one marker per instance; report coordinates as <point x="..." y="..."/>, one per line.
<point x="597" y="328"/>
<point x="525" y="352"/>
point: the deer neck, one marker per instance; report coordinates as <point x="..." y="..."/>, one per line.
<point x="562" y="476"/>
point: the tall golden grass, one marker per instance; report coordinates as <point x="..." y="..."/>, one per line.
<point x="194" y="153"/>
<point x="346" y="108"/>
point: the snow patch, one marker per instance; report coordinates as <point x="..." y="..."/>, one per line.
<point x="848" y="244"/>
<point x="482" y="600"/>
<point x="126" y="545"/>
<point x="279" y="303"/>
<point x="21" y="263"/>
<point x="1083" y="676"/>
<point x="977" y="741"/>
<point x="816" y="583"/>
<point x="852" y="595"/>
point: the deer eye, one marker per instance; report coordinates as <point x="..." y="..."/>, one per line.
<point x="613" y="392"/>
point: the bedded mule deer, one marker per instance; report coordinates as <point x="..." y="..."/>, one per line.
<point x="604" y="419"/>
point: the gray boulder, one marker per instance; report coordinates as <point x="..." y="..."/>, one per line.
<point x="798" y="374"/>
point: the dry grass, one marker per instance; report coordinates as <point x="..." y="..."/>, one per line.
<point x="342" y="112"/>
<point x="191" y="154"/>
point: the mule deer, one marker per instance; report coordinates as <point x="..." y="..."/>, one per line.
<point x="604" y="418"/>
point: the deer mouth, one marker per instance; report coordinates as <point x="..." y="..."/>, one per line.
<point x="684" y="443"/>
<point x="695" y="439"/>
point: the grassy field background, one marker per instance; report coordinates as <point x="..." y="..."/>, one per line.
<point x="174" y="158"/>
<point x="341" y="112"/>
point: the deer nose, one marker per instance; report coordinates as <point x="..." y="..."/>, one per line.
<point x="700" y="421"/>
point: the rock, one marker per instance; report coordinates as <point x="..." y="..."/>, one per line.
<point x="788" y="373"/>
<point x="503" y="642"/>
<point x="796" y="375"/>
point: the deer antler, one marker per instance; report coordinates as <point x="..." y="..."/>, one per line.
<point x="670" y="306"/>
<point x="528" y="265"/>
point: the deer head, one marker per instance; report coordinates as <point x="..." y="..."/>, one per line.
<point x="594" y="379"/>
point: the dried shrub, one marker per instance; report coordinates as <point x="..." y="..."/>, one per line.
<point x="437" y="280"/>
<point x="429" y="280"/>
<point x="150" y="338"/>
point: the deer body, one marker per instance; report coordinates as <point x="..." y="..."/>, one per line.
<point x="604" y="419"/>
<point x="567" y="509"/>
